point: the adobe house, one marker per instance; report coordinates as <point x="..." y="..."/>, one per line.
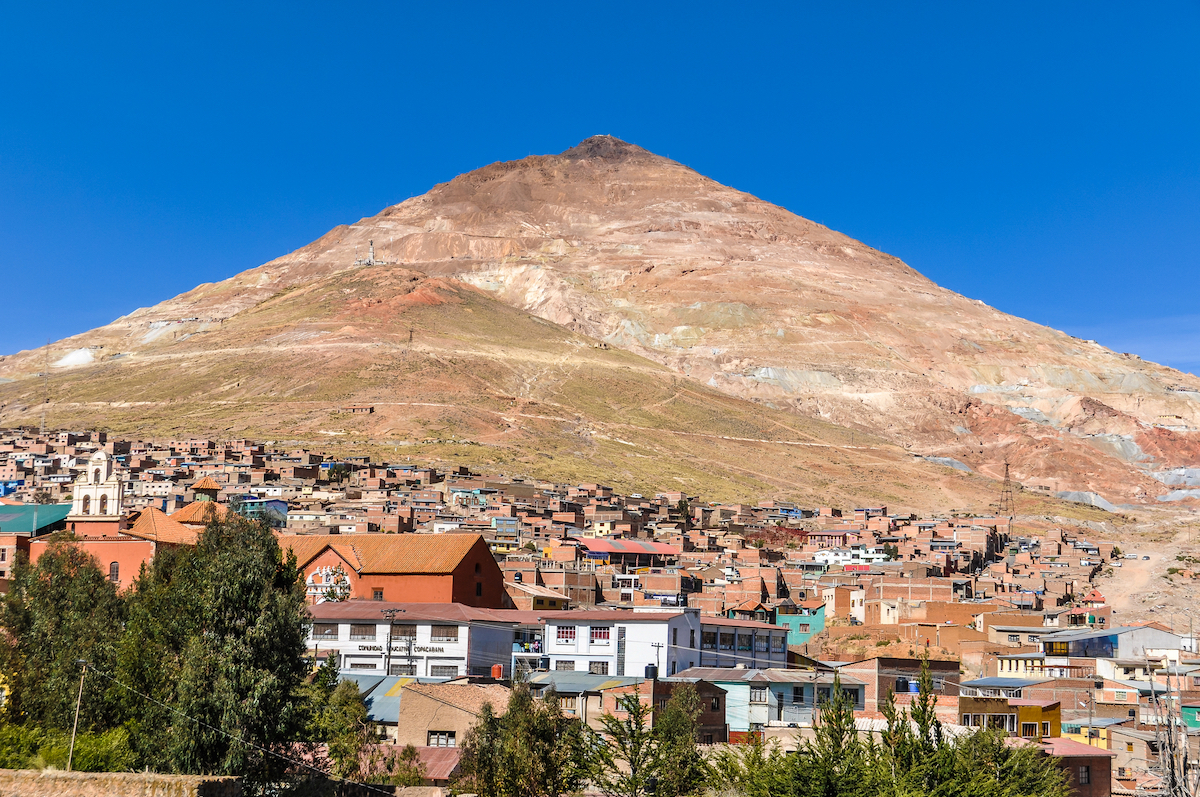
<point x="401" y="568"/>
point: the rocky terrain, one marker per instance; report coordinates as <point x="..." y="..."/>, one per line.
<point x="711" y="288"/>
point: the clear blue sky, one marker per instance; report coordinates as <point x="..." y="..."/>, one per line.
<point x="1042" y="157"/>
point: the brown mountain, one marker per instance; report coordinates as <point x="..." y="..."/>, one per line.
<point x="729" y="295"/>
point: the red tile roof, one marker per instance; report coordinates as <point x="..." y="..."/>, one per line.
<point x="154" y="524"/>
<point x="207" y="483"/>
<point x="437" y="554"/>
<point x="199" y="513"/>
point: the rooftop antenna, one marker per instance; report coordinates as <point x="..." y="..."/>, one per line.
<point x="1006" y="506"/>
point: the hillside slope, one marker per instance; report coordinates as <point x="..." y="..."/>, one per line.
<point x="479" y="383"/>
<point x="635" y="250"/>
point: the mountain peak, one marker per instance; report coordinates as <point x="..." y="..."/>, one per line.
<point x="605" y="147"/>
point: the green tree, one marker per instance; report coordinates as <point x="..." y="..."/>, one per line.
<point x="682" y="768"/>
<point x="55" y="614"/>
<point x="163" y="614"/>
<point x="626" y="759"/>
<point x="755" y="769"/>
<point x="684" y="508"/>
<point x="348" y="732"/>
<point x="242" y="669"/>
<point x="532" y="750"/>
<point x="835" y="762"/>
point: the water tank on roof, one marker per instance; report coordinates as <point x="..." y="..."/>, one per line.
<point x="651" y="672"/>
<point x="914" y="687"/>
<point x="901" y="685"/>
<point x="497" y="671"/>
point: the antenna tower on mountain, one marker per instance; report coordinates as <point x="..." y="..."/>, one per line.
<point x="370" y="260"/>
<point x="1007" y="505"/>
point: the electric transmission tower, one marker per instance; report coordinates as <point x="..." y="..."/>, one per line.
<point x="1007" y="505"/>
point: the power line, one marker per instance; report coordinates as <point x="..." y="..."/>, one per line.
<point x="258" y="747"/>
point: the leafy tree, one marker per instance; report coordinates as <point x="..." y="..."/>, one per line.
<point x="42" y="497"/>
<point x="684" y="508"/>
<point x="347" y="730"/>
<point x="892" y="552"/>
<point x="532" y="750"/>
<point x="682" y="768"/>
<point x="627" y="752"/>
<point x="242" y="669"/>
<point x="56" y="613"/>
<point x="403" y="768"/>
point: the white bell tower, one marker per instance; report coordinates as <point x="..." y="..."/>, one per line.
<point x="97" y="497"/>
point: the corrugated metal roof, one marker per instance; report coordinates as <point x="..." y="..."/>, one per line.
<point x="31" y="518"/>
<point x="628" y="546"/>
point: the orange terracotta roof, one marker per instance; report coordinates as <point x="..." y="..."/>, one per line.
<point x="207" y="483"/>
<point x="387" y="553"/>
<point x="199" y="513"/>
<point x="154" y="524"/>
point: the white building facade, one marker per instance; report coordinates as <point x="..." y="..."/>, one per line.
<point x="423" y="640"/>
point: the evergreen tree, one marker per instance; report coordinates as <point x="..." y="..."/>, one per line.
<point x="682" y="768"/>
<point x="55" y="614"/>
<point x="834" y="760"/>
<point x="626" y="753"/>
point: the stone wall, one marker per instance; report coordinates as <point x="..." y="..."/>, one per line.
<point x="55" y="783"/>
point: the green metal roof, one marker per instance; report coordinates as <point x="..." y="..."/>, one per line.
<point x="31" y="518"/>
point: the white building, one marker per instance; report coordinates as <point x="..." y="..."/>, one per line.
<point x="427" y="640"/>
<point x="623" y="642"/>
<point x="854" y="555"/>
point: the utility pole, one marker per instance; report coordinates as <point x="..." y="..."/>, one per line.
<point x="78" y="700"/>
<point x="390" y="614"/>
<point x="657" y="647"/>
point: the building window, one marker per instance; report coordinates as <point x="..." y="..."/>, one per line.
<point x="716" y="704"/>
<point x="362" y="631"/>
<point x="708" y="738"/>
<point x="565" y="634"/>
<point x="600" y="634"/>
<point x="103" y="505"/>
<point x="96" y="476"/>
<point x="362" y="665"/>
<point x="477" y="568"/>
<point x="479" y="589"/>
<point x="539" y="602"/>
<point x="726" y="641"/>
<point x="803" y="628"/>
<point x="325" y="631"/>
<point x="1129" y="747"/>
<point x="407" y="631"/>
<point x="1031" y="637"/>
<point x="598" y="668"/>
<point x="403" y="669"/>
<point x="377" y="595"/>
<point x="674" y="637"/>
<point x="443" y="671"/>
<point x="778" y="644"/>
<point x="568" y="702"/>
<point x="708" y="640"/>
<point x="1014" y="637"/>
<point x="1085" y="776"/>
<point x="443" y="633"/>
<point x="1045" y="729"/>
<point x="565" y="664"/>
<point x="87" y="505"/>
<point x="691" y="634"/>
<point x="1028" y="730"/>
<point x="441" y="739"/>
<point x="114" y="571"/>
<point x="1121" y="695"/>
<point x="758" y="694"/>
<point x="762" y="644"/>
<point x="798" y="695"/>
